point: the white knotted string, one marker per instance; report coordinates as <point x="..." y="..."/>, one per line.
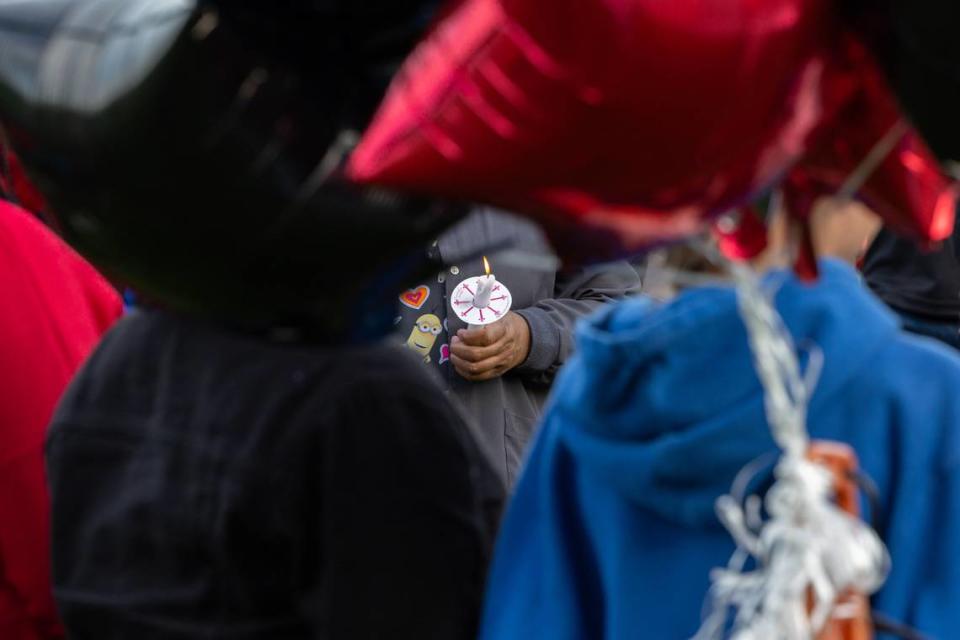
<point x="807" y="552"/>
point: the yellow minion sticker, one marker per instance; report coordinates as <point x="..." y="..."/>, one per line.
<point x="424" y="335"/>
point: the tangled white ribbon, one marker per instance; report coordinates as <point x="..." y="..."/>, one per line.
<point x="807" y="552"/>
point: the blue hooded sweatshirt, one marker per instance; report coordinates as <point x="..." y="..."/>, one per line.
<point x="612" y="531"/>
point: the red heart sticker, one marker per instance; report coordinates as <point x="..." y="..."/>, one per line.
<point x="415" y="298"/>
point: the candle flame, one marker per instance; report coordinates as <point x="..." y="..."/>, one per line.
<point x="486" y="265"/>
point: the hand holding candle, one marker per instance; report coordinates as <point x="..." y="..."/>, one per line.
<point x="490" y="351"/>
<point x="488" y="348"/>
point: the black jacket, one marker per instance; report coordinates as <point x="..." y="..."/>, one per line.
<point x="213" y="485"/>
<point x="911" y="280"/>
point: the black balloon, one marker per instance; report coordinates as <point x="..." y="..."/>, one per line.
<point x="193" y="149"/>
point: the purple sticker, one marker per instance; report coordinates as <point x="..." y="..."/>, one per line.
<point x="444" y="353"/>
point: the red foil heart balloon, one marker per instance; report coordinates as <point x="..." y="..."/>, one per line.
<point x="635" y="119"/>
<point x="868" y="150"/>
<point x="625" y="123"/>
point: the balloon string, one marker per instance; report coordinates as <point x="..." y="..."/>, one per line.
<point x="807" y="552"/>
<point x="785" y="391"/>
<point x="778" y="368"/>
<point x="859" y="176"/>
<point x="344" y="143"/>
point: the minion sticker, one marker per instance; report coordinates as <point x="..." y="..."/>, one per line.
<point x="424" y="335"/>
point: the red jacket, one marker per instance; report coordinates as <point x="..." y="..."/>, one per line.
<point x="53" y="309"/>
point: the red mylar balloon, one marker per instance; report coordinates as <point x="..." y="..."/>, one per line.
<point x="869" y="144"/>
<point x="630" y="120"/>
<point x="868" y="150"/>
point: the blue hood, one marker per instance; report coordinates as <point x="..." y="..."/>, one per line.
<point x="639" y="423"/>
<point x="611" y="532"/>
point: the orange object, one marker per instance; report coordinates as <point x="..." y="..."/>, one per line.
<point x="841" y="460"/>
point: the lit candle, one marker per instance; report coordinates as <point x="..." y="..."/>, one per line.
<point x="484" y="287"/>
<point x="481" y="300"/>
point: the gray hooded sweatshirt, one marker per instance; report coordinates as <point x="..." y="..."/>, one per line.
<point x="504" y="411"/>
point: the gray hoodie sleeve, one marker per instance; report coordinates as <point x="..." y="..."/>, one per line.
<point x="552" y="321"/>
